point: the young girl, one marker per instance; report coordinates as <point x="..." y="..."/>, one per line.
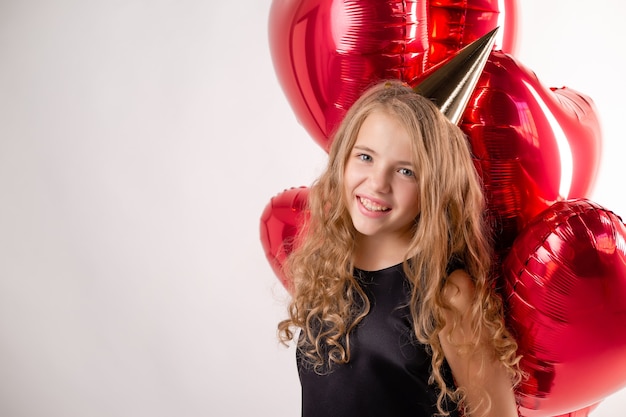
<point x="392" y="289"/>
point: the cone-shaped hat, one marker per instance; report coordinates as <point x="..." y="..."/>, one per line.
<point x="451" y="83"/>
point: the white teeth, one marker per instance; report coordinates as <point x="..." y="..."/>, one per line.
<point x="371" y="206"/>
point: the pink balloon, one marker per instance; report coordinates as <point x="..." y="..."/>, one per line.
<point x="565" y="283"/>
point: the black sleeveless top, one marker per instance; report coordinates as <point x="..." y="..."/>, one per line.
<point x="388" y="370"/>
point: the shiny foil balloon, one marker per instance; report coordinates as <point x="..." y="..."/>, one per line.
<point x="326" y="52"/>
<point x="280" y="222"/>
<point x="577" y="119"/>
<point x="532" y="145"/>
<point x="584" y="412"/>
<point x="565" y="286"/>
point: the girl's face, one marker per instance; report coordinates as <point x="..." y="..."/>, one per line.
<point x="379" y="181"/>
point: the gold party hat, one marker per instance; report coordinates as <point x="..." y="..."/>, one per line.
<point x="450" y="84"/>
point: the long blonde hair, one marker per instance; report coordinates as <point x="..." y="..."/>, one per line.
<point x="328" y="302"/>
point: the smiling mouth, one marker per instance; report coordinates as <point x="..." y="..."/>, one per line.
<point x="372" y="206"/>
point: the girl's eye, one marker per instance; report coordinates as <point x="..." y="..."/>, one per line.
<point x="364" y="157"/>
<point x="406" y="172"/>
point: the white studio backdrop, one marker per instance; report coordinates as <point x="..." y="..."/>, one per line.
<point x="139" y="143"/>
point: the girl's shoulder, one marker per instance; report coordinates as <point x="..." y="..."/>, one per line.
<point x="459" y="289"/>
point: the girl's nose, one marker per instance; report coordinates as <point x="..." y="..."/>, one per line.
<point x="380" y="181"/>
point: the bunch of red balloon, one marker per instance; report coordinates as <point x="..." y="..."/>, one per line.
<point x="563" y="258"/>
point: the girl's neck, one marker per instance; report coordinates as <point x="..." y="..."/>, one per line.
<point x="374" y="254"/>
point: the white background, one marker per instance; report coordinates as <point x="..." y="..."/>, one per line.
<point x="140" y="141"/>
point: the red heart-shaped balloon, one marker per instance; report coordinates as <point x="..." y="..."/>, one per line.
<point x="584" y="412"/>
<point x="531" y="144"/>
<point x="565" y="283"/>
<point x="326" y="52"/>
<point x="280" y="223"/>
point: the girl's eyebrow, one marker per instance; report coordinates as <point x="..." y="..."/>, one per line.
<point x="373" y="152"/>
<point x="365" y="148"/>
